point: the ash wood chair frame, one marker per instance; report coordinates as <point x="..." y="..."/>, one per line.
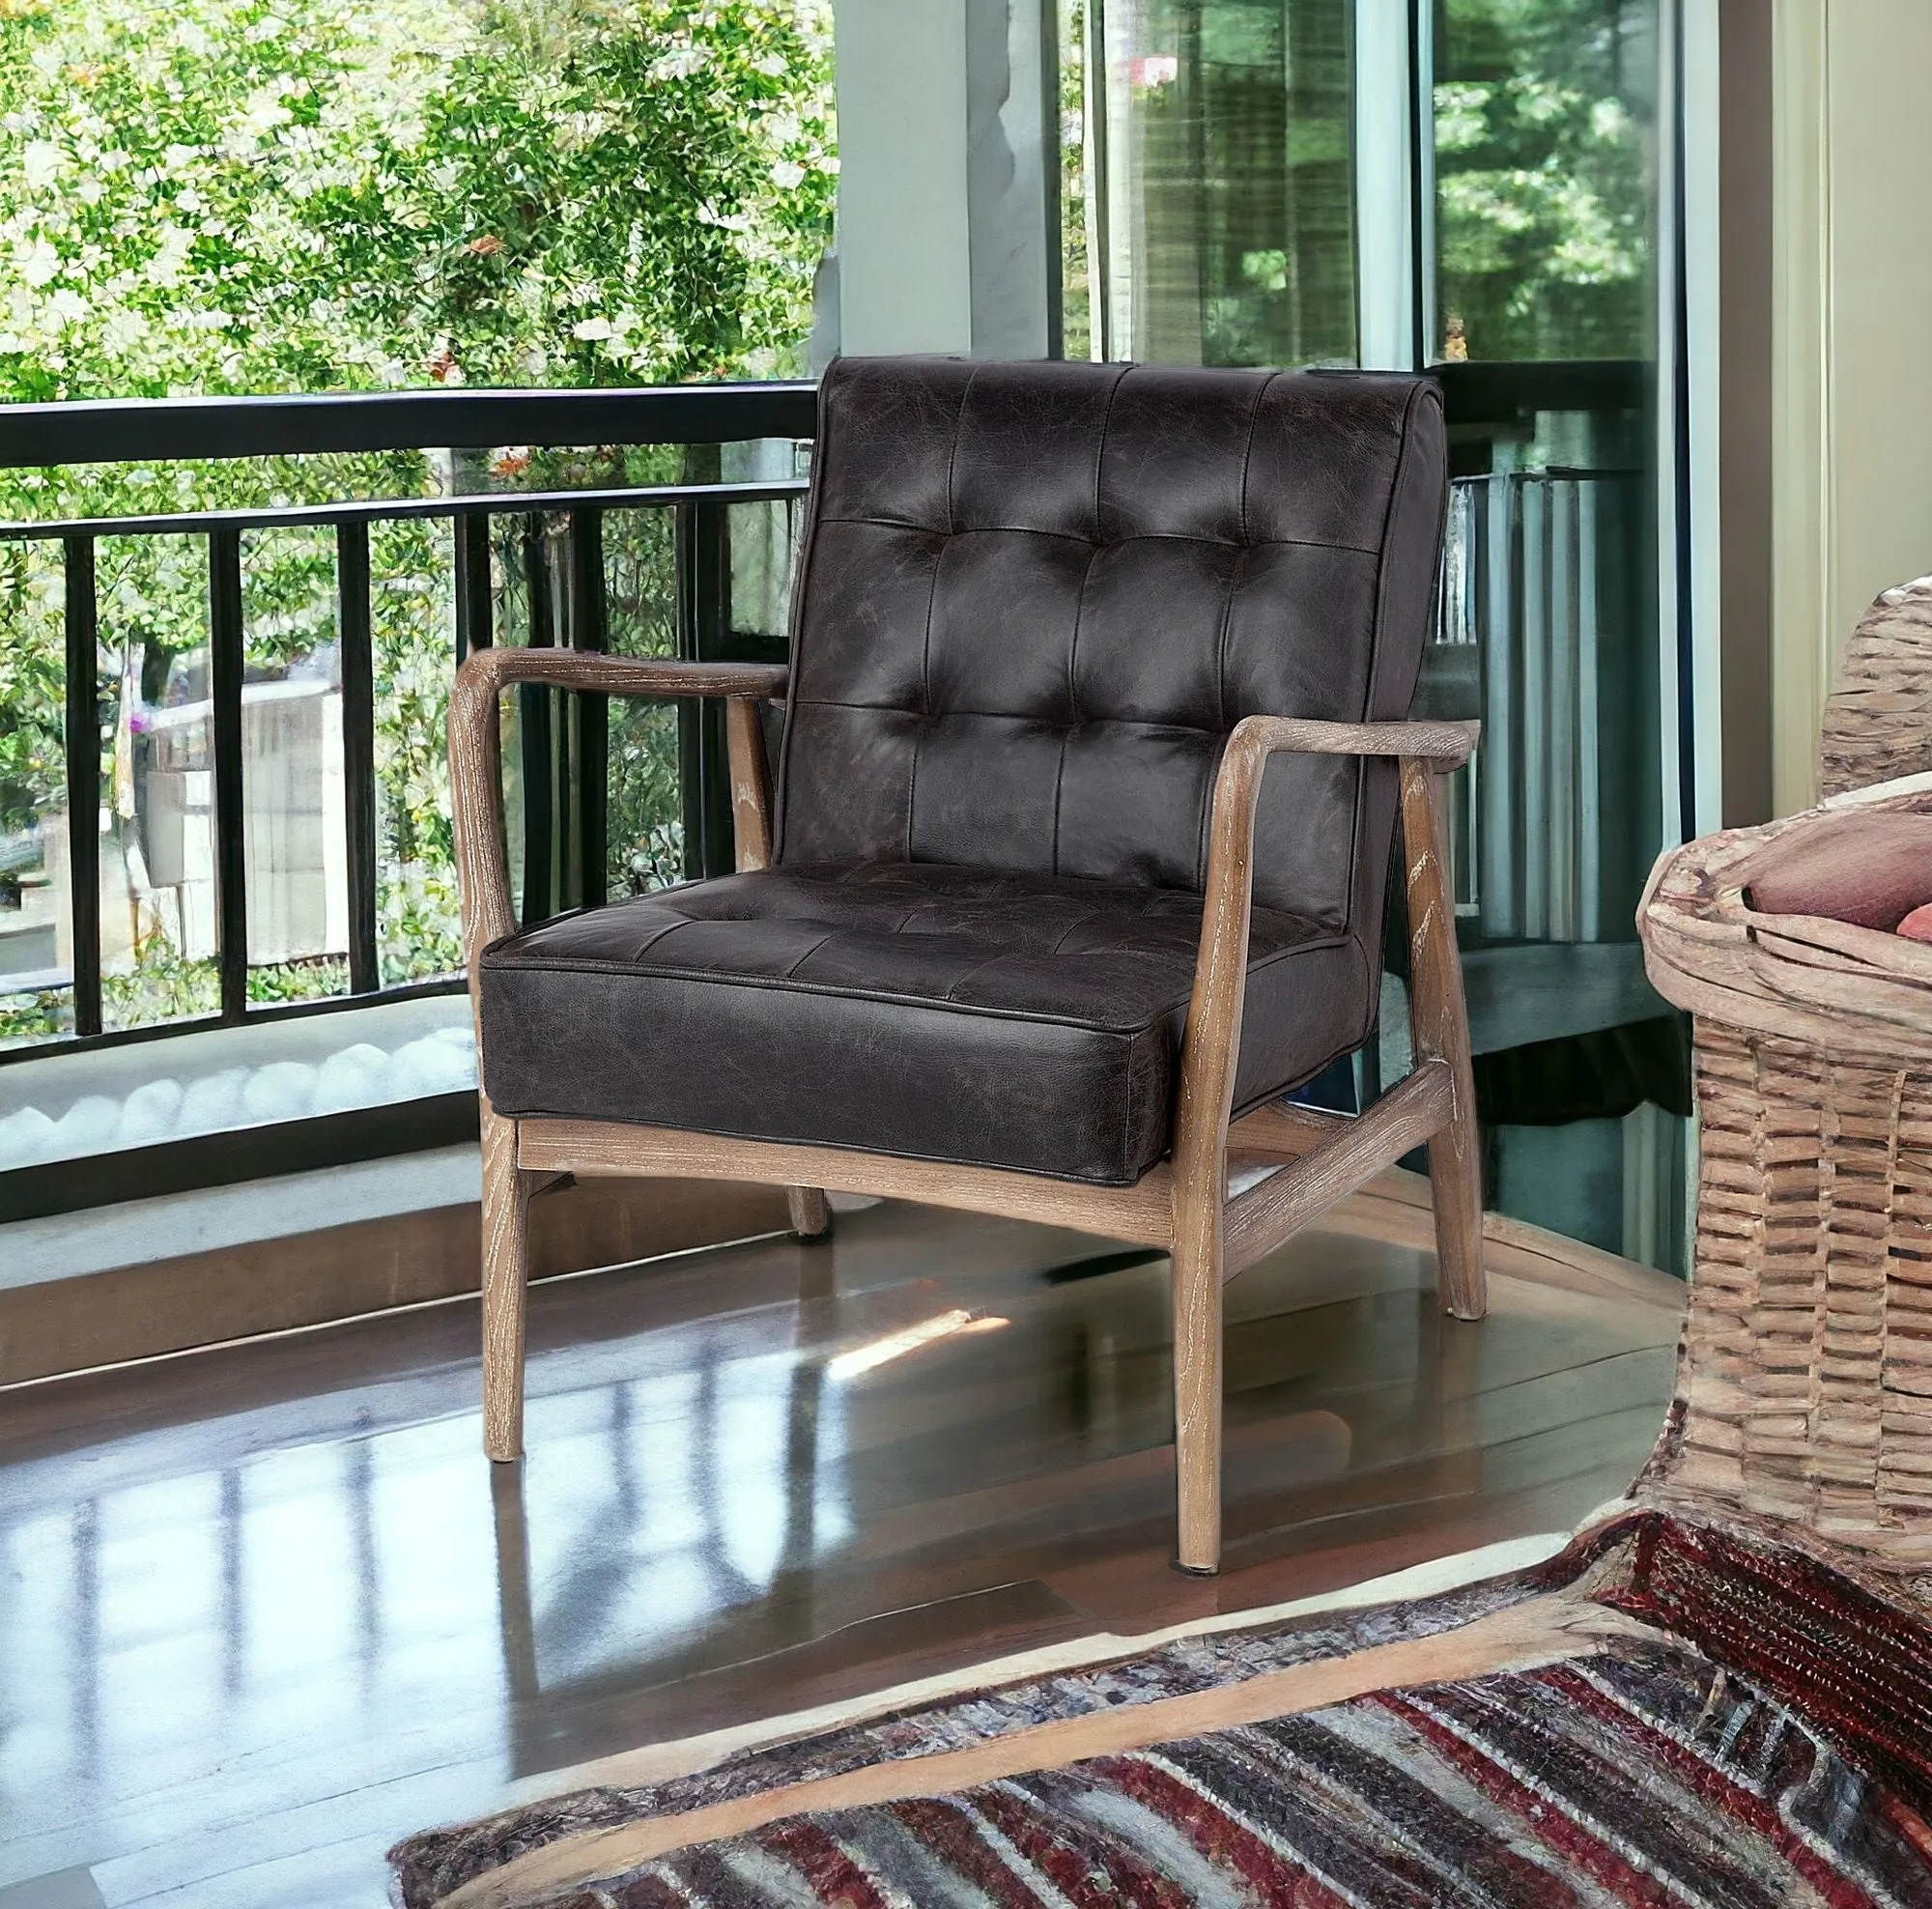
<point x="1232" y="1192"/>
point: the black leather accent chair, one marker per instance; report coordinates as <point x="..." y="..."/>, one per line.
<point x="1093" y="750"/>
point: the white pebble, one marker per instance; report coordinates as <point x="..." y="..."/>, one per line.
<point x="212" y="1103"/>
<point x="282" y="1091"/>
<point x="150" y="1113"/>
<point x="356" y="1077"/>
<point x="24" y="1137"/>
<point x="430" y="1066"/>
<point x="86" y="1127"/>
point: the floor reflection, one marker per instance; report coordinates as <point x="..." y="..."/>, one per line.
<point x="215" y="1615"/>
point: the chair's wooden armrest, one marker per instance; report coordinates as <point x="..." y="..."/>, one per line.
<point x="1443" y="746"/>
<point x="1214" y="1028"/>
<point x="476" y="780"/>
<point x="489" y="672"/>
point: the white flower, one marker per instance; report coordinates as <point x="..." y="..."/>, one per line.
<point x="772" y="66"/>
<point x="39" y="262"/>
<point x="40" y="161"/>
<point x="682" y="64"/>
<point x="170" y="259"/>
<point x="591" y="329"/>
<point x="787" y="174"/>
<point x="264" y="113"/>
<point x="123" y="329"/>
<point x="67" y="305"/>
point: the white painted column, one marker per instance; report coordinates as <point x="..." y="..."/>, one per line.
<point x="903" y="238"/>
<point x="1384" y="186"/>
<point x="1703" y="362"/>
<point x="946" y="135"/>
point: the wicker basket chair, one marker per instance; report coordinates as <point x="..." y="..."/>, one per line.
<point x="1805" y="1378"/>
<point x="1878" y="724"/>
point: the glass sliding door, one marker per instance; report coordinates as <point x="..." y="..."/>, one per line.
<point x="1482" y="186"/>
<point x="1549" y="155"/>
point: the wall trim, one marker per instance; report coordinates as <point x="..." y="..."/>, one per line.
<point x="60" y="1326"/>
<point x="1803" y="484"/>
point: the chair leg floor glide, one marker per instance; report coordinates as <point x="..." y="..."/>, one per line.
<point x="811" y="1211"/>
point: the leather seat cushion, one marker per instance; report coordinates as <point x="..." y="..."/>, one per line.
<point x="917" y="1009"/>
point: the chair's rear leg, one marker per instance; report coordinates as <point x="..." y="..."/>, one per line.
<point x="1197" y="1393"/>
<point x="1439" y="1017"/>
<point x="505" y="1283"/>
<point x="811" y="1211"/>
<point x="1455" y="1189"/>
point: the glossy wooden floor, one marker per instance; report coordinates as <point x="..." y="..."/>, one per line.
<point x="264" y="1610"/>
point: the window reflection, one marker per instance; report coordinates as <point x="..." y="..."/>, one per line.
<point x="1206" y="181"/>
<point x="1546" y="117"/>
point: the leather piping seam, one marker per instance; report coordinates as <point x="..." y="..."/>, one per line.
<point x="1100" y="443"/>
<point x="1110" y="543"/>
<point x="1404" y="455"/>
<point x="1073" y="690"/>
<point x="1009" y="715"/>
<point x="1248" y="449"/>
<point x="791" y="985"/>
<point x="795" y="619"/>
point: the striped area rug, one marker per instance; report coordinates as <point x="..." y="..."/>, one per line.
<point x="1669" y="1714"/>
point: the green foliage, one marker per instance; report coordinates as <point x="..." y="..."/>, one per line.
<point x="1544" y="198"/>
<point x="215" y="196"/>
<point x="32" y="674"/>
<point x="246" y="195"/>
<point x="166" y="985"/>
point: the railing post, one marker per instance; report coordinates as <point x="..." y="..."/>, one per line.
<point x="474" y="620"/>
<point x="82" y="712"/>
<point x="226" y="662"/>
<point x="588" y="628"/>
<point x="358" y="748"/>
<point x="534" y="713"/>
<point x="703" y="616"/>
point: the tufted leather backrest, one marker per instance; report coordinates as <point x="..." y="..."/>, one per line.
<point x="1035" y="598"/>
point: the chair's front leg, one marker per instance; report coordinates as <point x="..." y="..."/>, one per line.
<point x="1440" y="1019"/>
<point x="1197" y="1377"/>
<point x="1209" y="1046"/>
<point x="506" y="1203"/>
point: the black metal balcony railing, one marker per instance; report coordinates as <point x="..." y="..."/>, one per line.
<point x="562" y="760"/>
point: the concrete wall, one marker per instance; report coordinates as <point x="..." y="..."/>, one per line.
<point x="1852" y="341"/>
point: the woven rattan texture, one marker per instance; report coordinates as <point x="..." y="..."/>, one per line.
<point x="1805" y="1382"/>
<point x="1878" y="723"/>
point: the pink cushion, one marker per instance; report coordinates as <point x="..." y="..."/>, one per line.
<point x="1871" y="869"/>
